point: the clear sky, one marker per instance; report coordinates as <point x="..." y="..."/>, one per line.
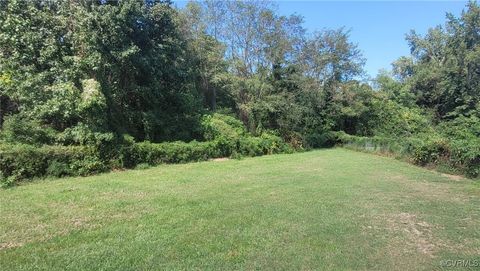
<point x="378" y="27"/>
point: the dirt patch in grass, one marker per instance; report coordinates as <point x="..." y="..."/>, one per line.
<point x="10" y="245"/>
<point x="222" y="159"/>
<point x="408" y="235"/>
<point x="453" y="177"/>
<point x="421" y="235"/>
<point x="417" y="233"/>
<point x="430" y="191"/>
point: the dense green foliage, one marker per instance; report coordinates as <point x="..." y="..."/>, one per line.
<point x="133" y="81"/>
<point x="111" y="67"/>
<point x="23" y="161"/>
<point x="227" y="138"/>
<point x="452" y="155"/>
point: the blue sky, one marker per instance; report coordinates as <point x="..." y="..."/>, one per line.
<point x="378" y="27"/>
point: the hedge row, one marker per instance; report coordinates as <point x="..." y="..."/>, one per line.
<point x="19" y="162"/>
<point x="181" y="152"/>
<point x="463" y="156"/>
<point x="23" y="162"/>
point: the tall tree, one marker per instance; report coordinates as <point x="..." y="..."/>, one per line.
<point x="132" y="53"/>
<point x="446" y="70"/>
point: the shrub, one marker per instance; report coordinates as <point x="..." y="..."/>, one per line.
<point x="226" y="147"/>
<point x="20" y="129"/>
<point x="321" y="140"/>
<point x="105" y="144"/>
<point x="391" y="119"/>
<point x="182" y="152"/>
<point x="430" y="151"/>
<point x="250" y="146"/>
<point x="87" y="165"/>
<point x="465" y="154"/>
<point x="20" y="162"/>
<point x="93" y="152"/>
<point x="218" y="125"/>
<point x="424" y="149"/>
<point x="58" y="169"/>
<point x="93" y="105"/>
<point x="231" y="138"/>
<point x="170" y="152"/>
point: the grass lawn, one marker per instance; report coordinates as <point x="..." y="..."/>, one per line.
<point x="328" y="209"/>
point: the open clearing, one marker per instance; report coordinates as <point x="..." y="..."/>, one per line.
<point x="327" y="209"/>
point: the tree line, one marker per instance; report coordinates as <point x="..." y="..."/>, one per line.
<point x="74" y="72"/>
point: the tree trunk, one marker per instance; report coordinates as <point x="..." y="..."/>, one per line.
<point x="214" y="99"/>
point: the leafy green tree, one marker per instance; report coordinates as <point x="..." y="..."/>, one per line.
<point x="396" y="90"/>
<point x="124" y="62"/>
<point x="329" y="56"/>
<point x="446" y="70"/>
<point x="206" y="54"/>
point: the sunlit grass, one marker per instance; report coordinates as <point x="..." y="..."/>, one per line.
<point x="329" y="209"/>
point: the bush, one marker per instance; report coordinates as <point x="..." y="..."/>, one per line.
<point x="273" y="144"/>
<point x="430" y="151"/>
<point x="462" y="155"/>
<point x="58" y="169"/>
<point x="226" y="147"/>
<point x="182" y="152"/>
<point x="96" y="152"/>
<point x="20" y="162"/>
<point x="170" y="152"/>
<point x="239" y="144"/>
<point x="20" y="129"/>
<point x="232" y="139"/>
<point x="217" y="125"/>
<point x="465" y="154"/>
<point x="251" y="146"/>
<point x="321" y="140"/>
<point x="391" y="119"/>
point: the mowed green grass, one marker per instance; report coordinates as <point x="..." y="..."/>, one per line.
<point x="329" y="209"/>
